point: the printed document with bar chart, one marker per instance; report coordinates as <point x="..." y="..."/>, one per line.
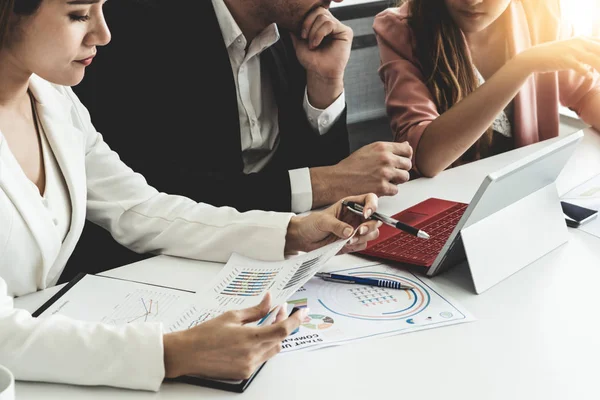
<point x="242" y="283"/>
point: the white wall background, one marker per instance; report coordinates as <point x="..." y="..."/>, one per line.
<point x="584" y="15"/>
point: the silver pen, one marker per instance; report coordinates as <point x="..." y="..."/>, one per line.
<point x="359" y="209"/>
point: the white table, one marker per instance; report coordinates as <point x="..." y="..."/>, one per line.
<point x="537" y="335"/>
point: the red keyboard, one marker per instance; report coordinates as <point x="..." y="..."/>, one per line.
<point x="407" y="248"/>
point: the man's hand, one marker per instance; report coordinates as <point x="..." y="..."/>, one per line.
<point x="323" y="50"/>
<point x="376" y="168"/>
<point x="321" y="228"/>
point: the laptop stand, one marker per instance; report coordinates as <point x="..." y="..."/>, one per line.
<point x="508" y="240"/>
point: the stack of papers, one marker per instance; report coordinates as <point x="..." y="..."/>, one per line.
<point x="339" y="312"/>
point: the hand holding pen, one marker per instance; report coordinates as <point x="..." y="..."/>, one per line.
<point x="366" y="229"/>
<point x="320" y="228"/>
<point x="359" y="210"/>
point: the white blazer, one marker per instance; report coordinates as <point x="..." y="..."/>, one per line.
<point x="110" y="194"/>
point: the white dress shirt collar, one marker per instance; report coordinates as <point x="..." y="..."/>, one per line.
<point x="233" y="36"/>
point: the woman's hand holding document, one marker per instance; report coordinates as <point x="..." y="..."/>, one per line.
<point x="243" y="282"/>
<point x="234" y="315"/>
<point x="230" y="328"/>
<point x="227" y="346"/>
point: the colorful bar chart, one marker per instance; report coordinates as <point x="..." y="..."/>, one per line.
<point x="249" y="282"/>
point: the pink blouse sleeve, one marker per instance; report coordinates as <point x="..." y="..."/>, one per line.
<point x="409" y="103"/>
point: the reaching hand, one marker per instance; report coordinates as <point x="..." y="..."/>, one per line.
<point x="224" y="347"/>
<point x="579" y="54"/>
<point x="321" y="228"/>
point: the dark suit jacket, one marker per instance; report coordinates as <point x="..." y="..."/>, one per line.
<point x="163" y="95"/>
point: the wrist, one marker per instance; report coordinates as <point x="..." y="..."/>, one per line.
<point x="522" y="64"/>
<point x="293" y="243"/>
<point x="172" y="345"/>
<point x="322" y="90"/>
<point x="323" y="182"/>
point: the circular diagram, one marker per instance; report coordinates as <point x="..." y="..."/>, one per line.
<point x="317" y="322"/>
<point x="375" y="303"/>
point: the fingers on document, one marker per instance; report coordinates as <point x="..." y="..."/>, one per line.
<point x="252" y="314"/>
<point x="366" y="232"/>
<point x="279" y="331"/>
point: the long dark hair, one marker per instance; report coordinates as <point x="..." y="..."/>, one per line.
<point x="19" y="8"/>
<point x="443" y="54"/>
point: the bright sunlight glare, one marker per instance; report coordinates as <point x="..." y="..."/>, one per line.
<point x="584" y="15"/>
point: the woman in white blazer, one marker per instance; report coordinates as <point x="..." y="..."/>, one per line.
<point x="55" y="170"/>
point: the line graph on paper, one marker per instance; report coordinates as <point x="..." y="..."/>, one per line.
<point x="193" y="316"/>
<point x="141" y="306"/>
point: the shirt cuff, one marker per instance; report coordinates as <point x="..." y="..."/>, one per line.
<point x="323" y="120"/>
<point x="301" y="190"/>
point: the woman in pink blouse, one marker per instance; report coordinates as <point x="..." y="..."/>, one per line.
<point x="466" y="79"/>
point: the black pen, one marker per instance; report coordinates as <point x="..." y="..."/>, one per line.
<point x="359" y="209"/>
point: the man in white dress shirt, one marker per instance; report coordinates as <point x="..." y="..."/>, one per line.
<point x="258" y="123"/>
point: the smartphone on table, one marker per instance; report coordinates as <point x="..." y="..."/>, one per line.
<point x="575" y="215"/>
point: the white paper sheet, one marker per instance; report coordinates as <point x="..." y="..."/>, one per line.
<point x="341" y="313"/>
<point x="242" y="283"/>
<point x="116" y="302"/>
